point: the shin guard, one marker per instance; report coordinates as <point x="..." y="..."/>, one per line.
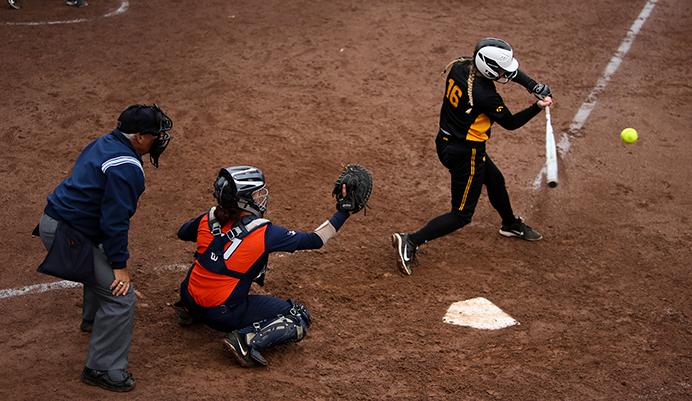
<point x="279" y="330"/>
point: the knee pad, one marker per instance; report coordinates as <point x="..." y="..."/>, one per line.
<point x="300" y="311"/>
<point x="281" y="329"/>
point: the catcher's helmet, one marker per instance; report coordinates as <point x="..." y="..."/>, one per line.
<point x="494" y="60"/>
<point x="242" y="187"/>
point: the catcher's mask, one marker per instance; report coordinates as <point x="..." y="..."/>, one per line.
<point x="242" y="187"/>
<point x="495" y="60"/>
<point x="148" y="119"/>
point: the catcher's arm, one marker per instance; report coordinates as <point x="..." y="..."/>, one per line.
<point x="328" y="229"/>
<point x="281" y="239"/>
<point x="352" y="190"/>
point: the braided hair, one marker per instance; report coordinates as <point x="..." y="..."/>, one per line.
<point x="469" y="82"/>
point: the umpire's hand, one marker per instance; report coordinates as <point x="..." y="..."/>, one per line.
<point x="121" y="284"/>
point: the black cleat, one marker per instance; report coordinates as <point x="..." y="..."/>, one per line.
<point x="76" y="3"/>
<point x="235" y="343"/>
<point x="406" y="252"/>
<point x="102" y="378"/>
<point x="521" y="230"/>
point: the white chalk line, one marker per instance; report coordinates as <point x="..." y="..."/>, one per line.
<point x="37" y="288"/>
<point x="584" y="111"/>
<point x="63" y="284"/>
<point x="124" y="5"/>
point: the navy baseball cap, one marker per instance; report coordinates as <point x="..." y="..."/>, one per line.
<point x="149" y="119"/>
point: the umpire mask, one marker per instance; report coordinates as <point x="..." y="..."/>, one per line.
<point x="158" y="147"/>
<point x="148" y="119"/>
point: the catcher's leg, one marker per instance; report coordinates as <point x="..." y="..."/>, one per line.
<point x="245" y="344"/>
<point x="184" y="306"/>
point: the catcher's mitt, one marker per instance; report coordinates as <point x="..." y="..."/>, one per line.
<point x="353" y="188"/>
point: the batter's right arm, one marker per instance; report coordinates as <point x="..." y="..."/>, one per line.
<point x="540" y="90"/>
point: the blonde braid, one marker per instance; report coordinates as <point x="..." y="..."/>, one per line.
<point x="469" y="84"/>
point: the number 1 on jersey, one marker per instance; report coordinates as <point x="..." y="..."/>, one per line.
<point x="232" y="246"/>
<point x="453" y="93"/>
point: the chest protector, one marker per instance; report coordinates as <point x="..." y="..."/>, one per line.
<point x="218" y="258"/>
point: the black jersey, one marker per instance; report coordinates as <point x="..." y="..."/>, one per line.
<point x="488" y="106"/>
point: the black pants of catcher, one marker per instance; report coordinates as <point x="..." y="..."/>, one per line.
<point x="470" y="169"/>
<point x="113" y="316"/>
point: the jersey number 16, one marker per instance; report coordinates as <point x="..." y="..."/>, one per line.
<point x="453" y="93"/>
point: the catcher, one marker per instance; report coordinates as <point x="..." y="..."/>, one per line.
<point x="233" y="245"/>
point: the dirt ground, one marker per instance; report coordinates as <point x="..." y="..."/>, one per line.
<point x="300" y="88"/>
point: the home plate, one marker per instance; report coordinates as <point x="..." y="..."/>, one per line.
<point x="478" y="313"/>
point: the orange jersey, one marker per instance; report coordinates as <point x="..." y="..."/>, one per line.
<point x="241" y="260"/>
<point x="230" y="258"/>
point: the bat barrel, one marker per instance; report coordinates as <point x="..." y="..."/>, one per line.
<point x="550" y="152"/>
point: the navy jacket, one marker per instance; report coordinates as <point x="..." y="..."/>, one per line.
<point x="100" y="196"/>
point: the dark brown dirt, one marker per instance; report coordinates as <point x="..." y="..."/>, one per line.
<point x="301" y="88"/>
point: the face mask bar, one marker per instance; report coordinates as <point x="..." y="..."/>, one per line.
<point x="261" y="198"/>
<point x="165" y="123"/>
<point x="158" y="147"/>
<point x="162" y="136"/>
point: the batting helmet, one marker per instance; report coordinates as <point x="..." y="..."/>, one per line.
<point x="494" y="60"/>
<point x="242" y="187"/>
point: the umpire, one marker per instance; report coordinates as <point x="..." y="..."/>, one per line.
<point x="85" y="230"/>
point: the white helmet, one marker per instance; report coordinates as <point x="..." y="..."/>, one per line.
<point x="494" y="60"/>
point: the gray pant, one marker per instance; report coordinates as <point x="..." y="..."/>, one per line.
<point x="113" y="316"/>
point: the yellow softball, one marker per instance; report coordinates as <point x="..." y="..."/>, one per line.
<point x="629" y="135"/>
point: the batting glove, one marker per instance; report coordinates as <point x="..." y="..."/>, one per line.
<point x="541" y="90"/>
